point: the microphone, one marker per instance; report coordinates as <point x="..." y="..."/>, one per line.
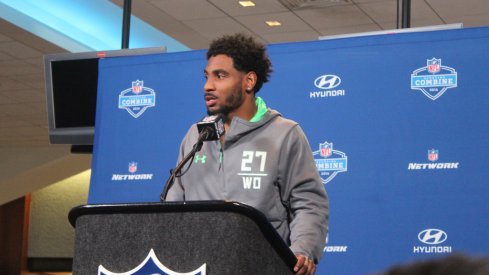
<point x="211" y="127"/>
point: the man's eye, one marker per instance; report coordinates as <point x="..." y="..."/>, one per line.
<point x="221" y="75"/>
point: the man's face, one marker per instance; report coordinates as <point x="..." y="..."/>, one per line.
<point x="224" y="87"/>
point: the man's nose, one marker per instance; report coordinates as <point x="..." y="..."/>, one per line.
<point x="209" y="85"/>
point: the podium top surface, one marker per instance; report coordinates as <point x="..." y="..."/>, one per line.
<point x="190" y="206"/>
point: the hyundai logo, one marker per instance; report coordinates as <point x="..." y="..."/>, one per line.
<point x="327" y="81"/>
<point x="432" y="236"/>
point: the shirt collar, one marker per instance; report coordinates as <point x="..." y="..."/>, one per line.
<point x="261" y="109"/>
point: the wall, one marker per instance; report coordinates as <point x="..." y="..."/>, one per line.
<point x="50" y="233"/>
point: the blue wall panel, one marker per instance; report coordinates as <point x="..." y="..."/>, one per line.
<point x="415" y="162"/>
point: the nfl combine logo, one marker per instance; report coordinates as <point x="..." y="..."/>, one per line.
<point x="434" y="79"/>
<point x="329" y="162"/>
<point x="137" y="99"/>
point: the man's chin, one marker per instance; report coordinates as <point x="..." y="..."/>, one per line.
<point x="211" y="112"/>
<point x="215" y="111"/>
<point x="225" y="110"/>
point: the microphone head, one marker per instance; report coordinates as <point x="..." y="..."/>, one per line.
<point x="211" y="127"/>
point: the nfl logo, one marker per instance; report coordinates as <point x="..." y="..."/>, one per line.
<point x="133" y="167"/>
<point x="325" y="149"/>
<point x="433" y="65"/>
<point x="152" y="265"/>
<point x="432" y="155"/>
<point x="137" y="86"/>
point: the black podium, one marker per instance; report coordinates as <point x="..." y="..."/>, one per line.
<point x="228" y="237"/>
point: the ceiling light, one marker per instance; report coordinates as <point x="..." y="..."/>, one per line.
<point x="311" y="4"/>
<point x="273" y="23"/>
<point x="246" y="3"/>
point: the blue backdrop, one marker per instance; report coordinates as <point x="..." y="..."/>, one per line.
<point x="402" y="121"/>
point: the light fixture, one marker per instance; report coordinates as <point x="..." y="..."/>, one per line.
<point x="246" y="3"/>
<point x="311" y="4"/>
<point x="273" y="23"/>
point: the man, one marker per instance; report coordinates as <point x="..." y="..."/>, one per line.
<point x="262" y="160"/>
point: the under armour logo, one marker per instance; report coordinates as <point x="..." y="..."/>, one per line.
<point x="200" y="158"/>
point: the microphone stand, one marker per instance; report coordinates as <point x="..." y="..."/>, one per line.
<point x="197" y="146"/>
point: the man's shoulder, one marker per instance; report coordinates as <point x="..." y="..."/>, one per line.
<point x="279" y="120"/>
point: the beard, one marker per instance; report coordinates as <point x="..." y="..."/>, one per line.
<point x="231" y="103"/>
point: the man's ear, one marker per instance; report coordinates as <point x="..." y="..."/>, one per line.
<point x="250" y="81"/>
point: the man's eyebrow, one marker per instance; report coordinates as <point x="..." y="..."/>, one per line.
<point x="216" y="71"/>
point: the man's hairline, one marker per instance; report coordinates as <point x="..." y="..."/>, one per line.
<point x="234" y="63"/>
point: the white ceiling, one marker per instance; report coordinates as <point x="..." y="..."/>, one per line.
<point x="23" y="118"/>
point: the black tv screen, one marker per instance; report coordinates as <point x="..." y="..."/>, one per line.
<point x="74" y="92"/>
<point x="71" y="91"/>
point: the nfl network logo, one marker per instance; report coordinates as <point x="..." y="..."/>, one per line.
<point x="432" y="155"/>
<point x="137" y="99"/>
<point x="434" y="79"/>
<point x="334" y="248"/>
<point x="133" y="167"/>
<point x="329" y="162"/>
<point x="433" y="164"/>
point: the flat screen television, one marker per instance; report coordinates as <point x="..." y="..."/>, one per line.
<point x="71" y="91"/>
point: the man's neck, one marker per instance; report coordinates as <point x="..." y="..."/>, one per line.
<point x="246" y="111"/>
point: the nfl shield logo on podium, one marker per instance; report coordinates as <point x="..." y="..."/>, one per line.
<point x="151" y="265"/>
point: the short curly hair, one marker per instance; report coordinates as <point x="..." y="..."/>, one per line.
<point x="248" y="55"/>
